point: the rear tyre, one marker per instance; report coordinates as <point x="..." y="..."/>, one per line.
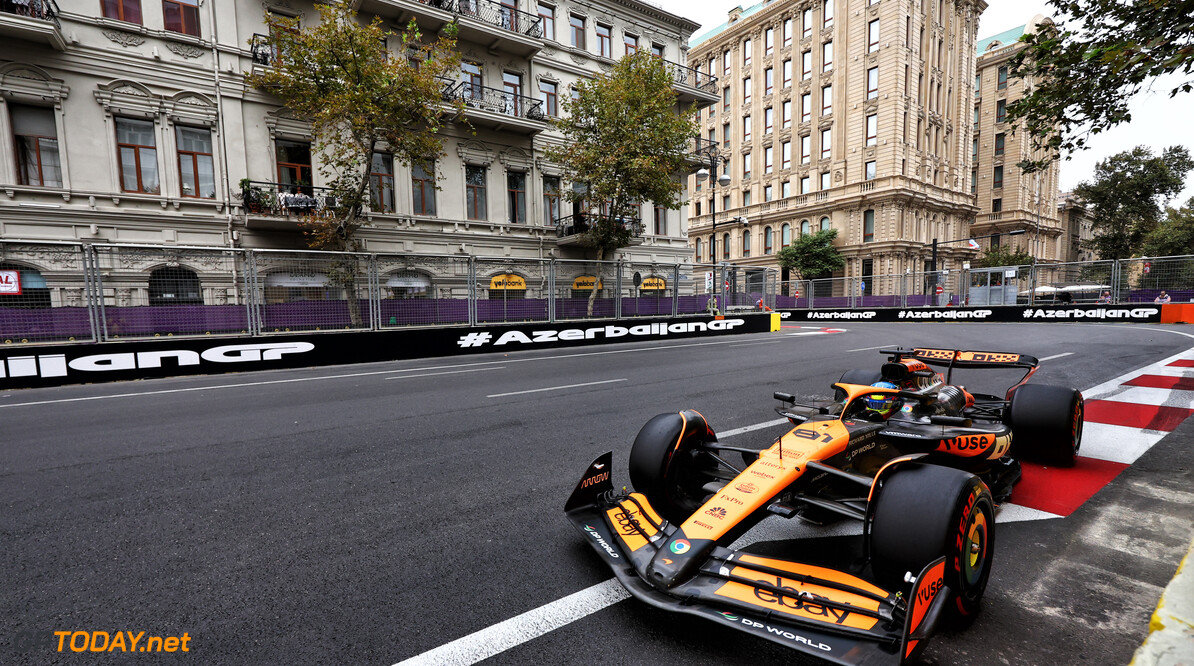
<point x="924" y="512"/>
<point x="860" y="376"/>
<point x="1046" y="424"/>
<point x="667" y="465"/>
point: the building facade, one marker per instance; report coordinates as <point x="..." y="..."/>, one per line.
<point x="130" y="122"/>
<point x="1078" y="228"/>
<point x="843" y="114"/>
<point x="1007" y="198"/>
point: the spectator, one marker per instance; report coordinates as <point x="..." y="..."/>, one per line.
<point x="1065" y="297"/>
<point x="1162" y="298"/>
<point x="1105" y="298"/>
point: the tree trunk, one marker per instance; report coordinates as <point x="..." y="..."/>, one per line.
<point x="350" y="263"/>
<point x="596" y="282"/>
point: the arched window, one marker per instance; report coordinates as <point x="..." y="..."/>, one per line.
<point x="824" y="223"/>
<point x="35" y="293"/>
<point x="746" y="243"/>
<point x="174" y="285"/>
<point x="868" y="226"/>
<point x="725" y="246"/>
<point x="785" y="235"/>
<point x="698" y="249"/>
<point x="804" y="228"/>
<point x="408" y="284"/>
<point x="767" y="241"/>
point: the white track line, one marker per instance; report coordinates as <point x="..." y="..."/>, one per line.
<point x="555" y="388"/>
<point x="866" y="348"/>
<point x="449" y="372"/>
<point x="1050" y="358"/>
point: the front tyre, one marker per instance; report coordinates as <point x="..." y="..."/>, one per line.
<point x="923" y="512"/>
<point x="1046" y="424"/>
<point x="669" y="467"/>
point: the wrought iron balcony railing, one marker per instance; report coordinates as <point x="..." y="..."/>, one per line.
<point x="494" y="13"/>
<point x="262" y="51"/>
<point x="579" y="223"/>
<point x="692" y="77"/>
<point x="282" y="199"/>
<point x="491" y="99"/>
<point x="45" y="10"/>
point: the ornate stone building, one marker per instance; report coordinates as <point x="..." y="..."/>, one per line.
<point x="850" y="114"/>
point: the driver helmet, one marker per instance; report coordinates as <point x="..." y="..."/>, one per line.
<point x="881" y="403"/>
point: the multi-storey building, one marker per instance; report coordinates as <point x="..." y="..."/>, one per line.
<point x="130" y="122"/>
<point x="844" y="114"/>
<point x="1078" y="228"/>
<point x="1007" y="198"/>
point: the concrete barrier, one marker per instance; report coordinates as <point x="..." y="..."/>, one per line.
<point x="1170" y="640"/>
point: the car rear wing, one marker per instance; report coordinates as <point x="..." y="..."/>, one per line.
<point x="958" y="358"/>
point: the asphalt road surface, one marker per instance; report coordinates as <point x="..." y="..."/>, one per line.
<point x="374" y="514"/>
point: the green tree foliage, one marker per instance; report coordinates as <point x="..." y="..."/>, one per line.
<point x="360" y="99"/>
<point x="1086" y="70"/>
<point x="1174" y="235"/>
<point x="812" y="256"/>
<point x="1127" y="194"/>
<point x="626" y="142"/>
<point x="1001" y="256"/>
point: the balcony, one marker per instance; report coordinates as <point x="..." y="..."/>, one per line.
<point x="569" y="229"/>
<point x="699" y="152"/>
<point x="693" y="85"/>
<point x="498" y="109"/>
<point x="32" y="21"/>
<point x="280" y="205"/>
<point x="496" y="26"/>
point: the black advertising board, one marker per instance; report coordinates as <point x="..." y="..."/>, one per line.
<point x="1137" y="313"/>
<point x="55" y="365"/>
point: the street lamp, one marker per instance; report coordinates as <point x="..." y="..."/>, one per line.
<point x="702" y="175"/>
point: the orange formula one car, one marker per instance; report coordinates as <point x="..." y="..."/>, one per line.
<point x="920" y="461"/>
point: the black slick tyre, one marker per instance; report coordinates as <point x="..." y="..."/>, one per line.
<point x="1046" y="424"/>
<point x="667" y="466"/>
<point x="923" y="512"/>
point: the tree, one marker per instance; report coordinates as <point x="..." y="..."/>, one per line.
<point x="1001" y="256"/>
<point x="1085" y="71"/>
<point x="812" y="256"/>
<point x="359" y="98"/>
<point x="626" y="143"/>
<point x="1127" y="195"/>
<point x="1174" y="235"/>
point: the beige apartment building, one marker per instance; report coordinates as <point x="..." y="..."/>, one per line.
<point x="130" y="122"/>
<point x="1007" y="198"/>
<point x="844" y="114"/>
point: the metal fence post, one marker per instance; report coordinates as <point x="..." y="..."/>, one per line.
<point x="551" y="291"/>
<point x="472" y="290"/>
<point x="90" y="274"/>
<point x="617" y="287"/>
<point x="99" y="292"/>
<point x="676" y="290"/>
<point x="374" y="294"/>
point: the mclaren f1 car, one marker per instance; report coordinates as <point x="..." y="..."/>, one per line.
<point x="922" y="462"/>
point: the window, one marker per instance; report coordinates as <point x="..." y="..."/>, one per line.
<point x="826" y="141"/>
<point x="824" y="224"/>
<point x="806" y="107"/>
<point x="997" y="177"/>
<point x="746" y="53"/>
<point x="698" y="209"/>
<point x="768" y="41"/>
<point x="631" y="43"/>
<point x="978" y="84"/>
<point x="547" y="19"/>
<point x="825" y="184"/>
<point x="1002" y="82"/>
<point x="746" y="90"/>
<point x="827" y="14"/>
<point x="725" y="240"/>
<point x="785" y="155"/>
<point x="423" y="186"/>
<point x="872" y="83"/>
<point x="996" y="205"/>
<point x="123" y="10"/>
<point x="577" y="26"/>
<point x="470" y="75"/>
<point x="196" y="169"/>
<point x="725" y="202"/>
<point x="872" y="36"/>
<point x="977" y="114"/>
<point x="805" y="185"/>
<point x="785" y="235"/>
<point x="138" y="155"/>
<point x="746" y="128"/>
<point x="806" y="65"/>
<point x="974" y="181"/>
<point x="827" y="56"/>
<point x="1000" y="141"/>
<point x="660" y="218"/>
<point x="746" y="243"/>
<point x="872" y="129"/>
<point x="604" y="46"/>
<point x="805" y="149"/>
<point x="294" y="163"/>
<point x="806" y="23"/>
<point x="768" y="120"/>
<point x="767" y="193"/>
<point x="725" y="100"/>
<point x="767" y="241"/>
<point x="868" y="226"/>
<point x="181" y="16"/>
<point x="787" y="32"/>
<point x="768" y="81"/>
<point x="36" y="136"/>
<point x="474" y="192"/>
<point x="768" y="156"/>
<point x="804" y="228"/>
<point x="512" y="86"/>
<point x="657" y="51"/>
<point x="788" y="73"/>
<point x="785" y="189"/>
<point x="698" y="249"/>
<point x="786" y="120"/>
<point x="516" y="197"/>
<point x="548" y="94"/>
<point x="827" y="100"/>
<point x="725" y="135"/>
<point x="869" y="170"/>
<point x="974" y="149"/>
<point x="174" y="285"/>
<point x="1000" y="111"/>
<point x="725" y="63"/>
<point x="746" y="165"/>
